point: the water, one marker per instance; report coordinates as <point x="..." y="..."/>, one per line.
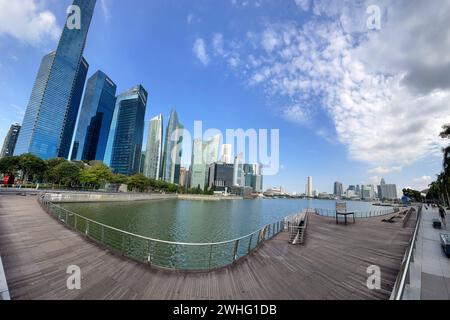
<point x="201" y="221"/>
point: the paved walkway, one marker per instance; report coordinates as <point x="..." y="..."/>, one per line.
<point x="430" y="272"/>
<point x="37" y="250"/>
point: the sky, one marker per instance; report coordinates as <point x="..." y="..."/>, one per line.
<point x="352" y="103"/>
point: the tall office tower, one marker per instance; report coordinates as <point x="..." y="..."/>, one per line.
<point x="94" y="123"/>
<point x="338" y="189"/>
<point x="309" y="187"/>
<point x="152" y="166"/>
<point x="211" y="150"/>
<point x="52" y="111"/>
<point x="226" y="153"/>
<point x="387" y="191"/>
<point x="184" y="173"/>
<point x="124" y="147"/>
<point x="238" y="172"/>
<point x="220" y="176"/>
<point x="10" y="141"/>
<point x="198" y="167"/>
<point x="172" y="152"/>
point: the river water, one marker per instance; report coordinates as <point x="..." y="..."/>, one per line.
<point x="201" y="221"/>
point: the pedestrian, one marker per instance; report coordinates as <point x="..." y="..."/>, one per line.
<point x="443" y="215"/>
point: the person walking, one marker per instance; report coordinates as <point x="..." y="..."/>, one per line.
<point x="443" y="215"/>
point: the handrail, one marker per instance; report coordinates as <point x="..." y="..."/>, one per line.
<point x="162" y="253"/>
<point x="152" y="239"/>
<point x="400" y="283"/>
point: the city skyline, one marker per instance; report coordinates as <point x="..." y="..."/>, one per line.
<point x="294" y="164"/>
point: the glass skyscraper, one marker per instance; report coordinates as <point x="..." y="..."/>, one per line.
<point x="10" y="141"/>
<point x="50" y="118"/>
<point x="124" y="147"/>
<point x="96" y="114"/>
<point x="172" y="153"/>
<point x="152" y="166"/>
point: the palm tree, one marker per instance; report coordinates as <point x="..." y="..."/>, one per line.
<point x="445" y="134"/>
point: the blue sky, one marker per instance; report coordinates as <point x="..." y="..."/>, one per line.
<point x="352" y="104"/>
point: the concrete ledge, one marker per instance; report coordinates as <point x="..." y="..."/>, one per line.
<point x="4" y="292"/>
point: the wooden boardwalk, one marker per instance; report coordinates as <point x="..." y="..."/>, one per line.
<point x="36" y="251"/>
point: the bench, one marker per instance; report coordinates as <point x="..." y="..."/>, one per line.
<point x="341" y="210"/>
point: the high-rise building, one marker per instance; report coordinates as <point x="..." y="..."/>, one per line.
<point x="52" y="111"/>
<point x="184" y="174"/>
<point x="172" y="152"/>
<point x="338" y="189"/>
<point x="238" y="172"/>
<point x="211" y="150"/>
<point x="387" y="191"/>
<point x="226" y="153"/>
<point x="221" y="176"/>
<point x="124" y="148"/>
<point x="309" y="187"/>
<point x="95" y="118"/>
<point x="198" y="167"/>
<point x="152" y="167"/>
<point x="10" y="141"/>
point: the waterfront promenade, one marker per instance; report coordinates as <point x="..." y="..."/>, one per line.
<point x="36" y="251"/>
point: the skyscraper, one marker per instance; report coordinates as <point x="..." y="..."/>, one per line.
<point x="226" y="153"/>
<point x="124" y="148"/>
<point x="238" y="172"/>
<point x="152" y="167"/>
<point x="96" y="114"/>
<point x="309" y="187"/>
<point x="172" y="152"/>
<point x="10" y="141"/>
<point x="49" y="121"/>
<point x="338" y="189"/>
<point x="198" y="167"/>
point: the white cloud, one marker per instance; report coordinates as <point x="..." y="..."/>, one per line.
<point x="295" y="114"/>
<point x="422" y="183"/>
<point x="385" y="170"/>
<point x="200" y="51"/>
<point x="381" y="89"/>
<point x="105" y="5"/>
<point x="303" y="4"/>
<point x="24" y="21"/>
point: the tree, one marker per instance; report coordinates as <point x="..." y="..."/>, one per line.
<point x="139" y="183"/>
<point x="67" y="173"/>
<point x="51" y="164"/>
<point x="445" y="134"/>
<point x="413" y="194"/>
<point x="119" y="179"/>
<point x="31" y="165"/>
<point x="96" y="176"/>
<point x="9" y="166"/>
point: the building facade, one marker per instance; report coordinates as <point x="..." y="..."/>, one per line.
<point x="95" y="118"/>
<point x="172" y="151"/>
<point x="309" y="187"/>
<point x="152" y="166"/>
<point x="338" y="189"/>
<point x="198" y="167"/>
<point x="221" y="177"/>
<point x="52" y="111"/>
<point x="124" y="148"/>
<point x="227" y="153"/>
<point x="10" y="141"/>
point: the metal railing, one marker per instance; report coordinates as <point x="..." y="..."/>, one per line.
<point x="403" y="276"/>
<point x="160" y="253"/>
<point x="331" y="213"/>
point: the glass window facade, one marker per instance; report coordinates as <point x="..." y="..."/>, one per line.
<point x="95" y="118"/>
<point x="152" y="164"/>
<point x="172" y="153"/>
<point x="10" y="141"/>
<point x="51" y="114"/>
<point x="124" y="147"/>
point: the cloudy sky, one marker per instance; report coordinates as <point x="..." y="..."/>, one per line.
<point x="353" y="103"/>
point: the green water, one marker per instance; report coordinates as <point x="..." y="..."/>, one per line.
<point x="188" y="222"/>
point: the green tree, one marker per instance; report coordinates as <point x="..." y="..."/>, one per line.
<point x="51" y="164"/>
<point x="119" y="179"/>
<point x="445" y="134"/>
<point x="67" y="174"/>
<point x="139" y="183"/>
<point x="9" y="166"/>
<point x="31" y="165"/>
<point x="96" y="176"/>
<point x="413" y="194"/>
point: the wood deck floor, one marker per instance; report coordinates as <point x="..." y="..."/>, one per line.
<point x="36" y="251"/>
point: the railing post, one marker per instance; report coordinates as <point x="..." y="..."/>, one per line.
<point x="123" y="243"/>
<point x="87" y="227"/>
<point x="250" y="244"/>
<point x="76" y="220"/>
<point x="210" y="257"/>
<point x="236" y="245"/>
<point x="149" y="258"/>
<point x="103" y="233"/>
